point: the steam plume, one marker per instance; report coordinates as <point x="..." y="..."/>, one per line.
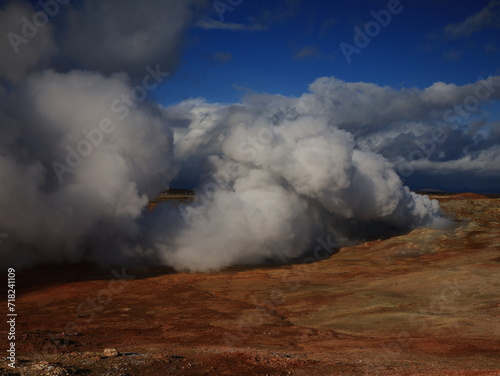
<point x="82" y="152"/>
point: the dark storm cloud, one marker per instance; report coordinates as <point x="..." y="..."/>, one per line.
<point x="117" y="35"/>
<point x="26" y="44"/>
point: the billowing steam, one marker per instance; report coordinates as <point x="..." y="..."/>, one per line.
<point x="74" y="168"/>
<point x="275" y="187"/>
<point x="81" y="152"/>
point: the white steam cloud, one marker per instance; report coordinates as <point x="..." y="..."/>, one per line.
<point x="82" y="152"/>
<point x="274" y="188"/>
<point x="72" y="168"/>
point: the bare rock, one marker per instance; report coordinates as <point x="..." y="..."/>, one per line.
<point x="111" y="353"/>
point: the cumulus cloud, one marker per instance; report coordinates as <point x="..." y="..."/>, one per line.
<point x="365" y="107"/>
<point x="443" y="122"/>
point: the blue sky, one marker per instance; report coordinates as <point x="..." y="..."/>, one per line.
<point x="280" y="47"/>
<point x="415" y="62"/>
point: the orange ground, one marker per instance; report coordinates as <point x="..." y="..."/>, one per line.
<point x="425" y="303"/>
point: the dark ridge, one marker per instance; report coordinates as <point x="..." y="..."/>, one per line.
<point x="178" y="191"/>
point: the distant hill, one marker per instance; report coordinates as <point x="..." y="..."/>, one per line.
<point x="431" y="190"/>
<point x="178" y="191"/>
<point x="172" y="195"/>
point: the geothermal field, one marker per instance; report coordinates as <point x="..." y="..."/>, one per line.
<point x="422" y="303"/>
<point x="249" y="187"/>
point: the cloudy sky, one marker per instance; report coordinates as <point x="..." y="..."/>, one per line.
<point x="280" y="47"/>
<point x="411" y="50"/>
<point x="294" y="121"/>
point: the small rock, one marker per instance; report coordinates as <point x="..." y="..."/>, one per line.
<point x="111" y="352"/>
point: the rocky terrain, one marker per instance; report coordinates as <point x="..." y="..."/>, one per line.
<point x="425" y="303"/>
